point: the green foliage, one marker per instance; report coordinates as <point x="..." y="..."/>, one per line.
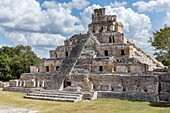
<point x="161" y="42"/>
<point x="16" y="60"/>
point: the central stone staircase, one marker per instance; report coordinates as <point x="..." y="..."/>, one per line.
<point x="68" y="63"/>
<point x="52" y="95"/>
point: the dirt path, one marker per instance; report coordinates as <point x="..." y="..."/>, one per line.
<point x="7" y="109"/>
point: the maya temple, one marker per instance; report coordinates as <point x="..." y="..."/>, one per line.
<point x="100" y="64"/>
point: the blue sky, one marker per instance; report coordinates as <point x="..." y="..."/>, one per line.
<point x="45" y="24"/>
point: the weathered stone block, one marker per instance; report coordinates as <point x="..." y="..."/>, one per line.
<point x="164" y="77"/>
<point x="118" y="88"/>
<point x="164" y="96"/>
<point x="30" y="84"/>
<point x="104" y="87"/>
<point x="165" y="86"/>
<point x="132" y="89"/>
<point x="14" y="83"/>
<point x="46" y="83"/>
<point x="72" y="88"/>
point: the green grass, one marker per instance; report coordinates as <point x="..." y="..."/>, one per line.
<point x="96" y="106"/>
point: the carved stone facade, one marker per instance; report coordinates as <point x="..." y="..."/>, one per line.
<point x="110" y="60"/>
<point x="106" y="47"/>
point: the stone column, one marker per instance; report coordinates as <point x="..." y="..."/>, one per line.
<point x="38" y="83"/>
<point x="23" y="84"/>
<point x="42" y="84"/>
<point x="34" y="83"/>
<point x="20" y="83"/>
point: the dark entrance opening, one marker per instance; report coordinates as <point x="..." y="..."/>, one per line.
<point x="113" y="40"/>
<point x="57" y="67"/>
<point x="101" y="29"/>
<point x="94" y="31"/>
<point x="100" y="68"/>
<point x="106" y="53"/>
<point x="66" y="83"/>
<point x="47" y="68"/>
<point x="110" y="39"/>
<point x="122" y="52"/>
<point x="66" y="54"/>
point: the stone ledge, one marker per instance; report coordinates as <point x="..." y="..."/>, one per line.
<point x="129" y="96"/>
<point x="21" y="89"/>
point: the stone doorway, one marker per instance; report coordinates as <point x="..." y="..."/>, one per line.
<point x="67" y="83"/>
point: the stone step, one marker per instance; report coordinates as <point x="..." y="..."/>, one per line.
<point x="53" y="91"/>
<point x="52" y="99"/>
<point x="58" y="93"/>
<point x="55" y="96"/>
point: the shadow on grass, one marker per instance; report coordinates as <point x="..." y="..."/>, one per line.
<point x="159" y="104"/>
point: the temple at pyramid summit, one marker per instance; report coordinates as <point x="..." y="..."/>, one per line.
<point x="103" y="63"/>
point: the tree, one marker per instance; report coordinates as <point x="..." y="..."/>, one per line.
<point x="16" y="60"/>
<point x="161" y="42"/>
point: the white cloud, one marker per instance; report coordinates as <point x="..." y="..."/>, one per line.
<point x="40" y="42"/>
<point x="155" y="6"/>
<point x="78" y="4"/>
<point x="61" y="21"/>
<point x="27" y="15"/>
<point x="118" y="4"/>
<point x="35" y="39"/>
<point x="20" y="14"/>
<point x="24" y="22"/>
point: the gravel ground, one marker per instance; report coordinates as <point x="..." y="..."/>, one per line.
<point x="7" y="109"/>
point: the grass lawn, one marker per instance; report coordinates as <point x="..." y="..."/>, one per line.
<point x="97" y="106"/>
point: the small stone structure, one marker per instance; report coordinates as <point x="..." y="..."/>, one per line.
<point x="102" y="60"/>
<point x="4" y="84"/>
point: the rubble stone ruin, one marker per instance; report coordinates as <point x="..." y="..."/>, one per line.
<point x="102" y="63"/>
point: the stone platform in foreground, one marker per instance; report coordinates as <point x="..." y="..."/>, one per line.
<point x="62" y="96"/>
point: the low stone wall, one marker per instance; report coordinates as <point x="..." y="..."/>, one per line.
<point x="146" y="87"/>
<point x="21" y="89"/>
<point x="31" y="80"/>
<point x="129" y="84"/>
<point x="28" y="83"/>
<point x="129" y="96"/>
<point x="128" y="87"/>
<point x="36" y="76"/>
